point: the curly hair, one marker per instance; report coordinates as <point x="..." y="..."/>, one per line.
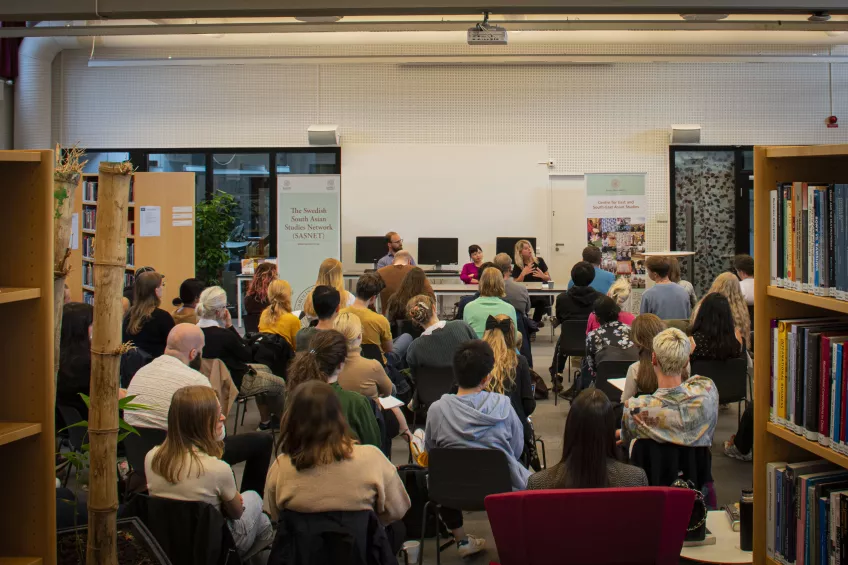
<point x="727" y="285"/>
<point x="506" y="359"/>
<point x="258" y="287"/>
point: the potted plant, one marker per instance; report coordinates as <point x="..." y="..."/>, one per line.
<point x="215" y="219"/>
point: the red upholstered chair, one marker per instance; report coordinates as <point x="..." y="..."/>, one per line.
<point x="616" y="526"/>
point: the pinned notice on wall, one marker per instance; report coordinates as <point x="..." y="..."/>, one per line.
<point x="151" y="221"/>
<point x="74" y="231"/>
<point x="181" y="216"/>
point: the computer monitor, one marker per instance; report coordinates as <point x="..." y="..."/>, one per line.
<point x="438" y="251"/>
<point x="507" y="244"/>
<point x="370" y="248"/>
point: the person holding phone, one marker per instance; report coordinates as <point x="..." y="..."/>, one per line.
<point x="529" y="268"/>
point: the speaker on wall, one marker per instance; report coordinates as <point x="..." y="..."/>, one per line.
<point x="685" y="134"/>
<point x="323" y="135"/>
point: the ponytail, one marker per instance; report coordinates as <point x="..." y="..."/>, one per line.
<point x="279" y="296"/>
<point x="327" y="351"/>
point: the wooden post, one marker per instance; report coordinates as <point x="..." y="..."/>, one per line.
<point x="64" y="186"/>
<point x="110" y="254"/>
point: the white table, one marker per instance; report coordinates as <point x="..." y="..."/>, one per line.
<point x="726" y="548"/>
<point x="618" y="383"/>
<point x="533" y="289"/>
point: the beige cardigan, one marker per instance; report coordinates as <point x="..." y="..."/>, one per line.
<point x="365" y="376"/>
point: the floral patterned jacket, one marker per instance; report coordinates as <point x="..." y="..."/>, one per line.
<point x="612" y="334"/>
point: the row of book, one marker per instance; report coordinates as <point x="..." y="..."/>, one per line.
<point x="809" y="379"/>
<point x="88" y="274"/>
<point x="806" y="513"/>
<point x="130" y="253"/>
<point x="129" y="279"/>
<point x="88" y="297"/>
<point x="88" y="246"/>
<point x="89" y="218"/>
<point x="89" y="191"/>
<point x="809" y="237"/>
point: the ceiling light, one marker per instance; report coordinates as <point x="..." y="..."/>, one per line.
<point x="318" y="19"/>
<point x="703" y="17"/>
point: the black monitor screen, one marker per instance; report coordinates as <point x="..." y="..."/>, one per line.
<point x="370" y="249"/>
<point x="507" y="244"/>
<point x="438" y="250"/>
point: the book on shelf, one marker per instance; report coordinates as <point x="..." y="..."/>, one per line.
<point x="130" y="253"/>
<point x="88" y="246"/>
<point x="808" y="238"/>
<point x="89" y="218"/>
<point x="88" y="297"/>
<point x="89" y="191"/>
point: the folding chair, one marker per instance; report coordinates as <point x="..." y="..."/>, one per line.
<point x="430" y="384"/>
<point x="611" y="370"/>
<point x="730" y="377"/>
<point x="572" y="343"/>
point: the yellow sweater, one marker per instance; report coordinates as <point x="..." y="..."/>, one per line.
<point x="287" y="326"/>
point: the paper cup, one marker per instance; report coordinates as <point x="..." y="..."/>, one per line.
<point x="411" y="549"/>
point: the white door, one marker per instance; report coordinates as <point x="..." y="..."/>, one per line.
<point x="568" y="224"/>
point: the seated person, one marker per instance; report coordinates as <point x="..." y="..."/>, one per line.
<point x="414" y="283"/>
<point x="393" y="276"/>
<point x="325" y="301"/>
<point x="471" y="271"/>
<point x="277" y="318"/>
<point x="394" y="243"/>
<point x="620" y="292"/>
<point x="224" y="342"/>
<point x="727" y="285"/>
<point x="323" y="361"/>
<point x="744" y="265"/>
<point x="603" y="279"/>
<point x="490" y="303"/>
<point x="474" y="417"/>
<point x="129" y="290"/>
<point x="516" y="294"/>
<point x="186" y="302"/>
<point x="588" y="450"/>
<point x="576" y="303"/>
<point x="375" y="327"/>
<point x="468" y="298"/>
<point x="145" y="324"/>
<point x="641" y="378"/>
<point x="678" y="412"/>
<point x="323" y="468"/>
<point x="330" y="273"/>
<point x="155" y="384"/>
<point x="611" y="333"/>
<point x="674" y="276"/>
<point x="439" y="340"/>
<point x="714" y="336"/>
<point x="188" y="466"/>
<point x="256" y="298"/>
<point x="529" y="268"/>
<point x="666" y="299"/>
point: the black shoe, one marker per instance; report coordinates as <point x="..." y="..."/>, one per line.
<point x="271" y="426"/>
<point x="570" y="393"/>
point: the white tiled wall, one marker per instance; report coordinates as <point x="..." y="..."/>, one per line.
<point x="593" y="118"/>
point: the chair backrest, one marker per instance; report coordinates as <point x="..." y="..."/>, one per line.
<point x="730" y="377"/>
<point x="611" y="370"/>
<point x="137" y="446"/>
<point x="71" y="416"/>
<point x="528" y="526"/>
<point x="572" y="339"/>
<point x="371" y="351"/>
<point x="664" y="462"/>
<point x="432" y="382"/>
<point x="461" y="478"/>
<point x="251" y="322"/>
<point x="682" y="325"/>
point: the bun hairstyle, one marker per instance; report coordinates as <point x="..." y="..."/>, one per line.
<point x="419" y="309"/>
<point x="212" y="303"/>
<point x="620" y="291"/>
<point x="190" y="290"/>
<point x="327" y="351"/>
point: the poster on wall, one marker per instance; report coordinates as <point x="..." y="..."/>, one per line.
<point x="308" y="229"/>
<point x="615" y="222"/>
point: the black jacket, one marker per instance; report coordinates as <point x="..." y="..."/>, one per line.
<point x="576" y="302"/>
<point x="663" y="461"/>
<point x="228" y="346"/>
<point x="272" y="350"/>
<point x="340" y="538"/>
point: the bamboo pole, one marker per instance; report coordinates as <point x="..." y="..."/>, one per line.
<point x="64" y="187"/>
<point x="110" y="255"/>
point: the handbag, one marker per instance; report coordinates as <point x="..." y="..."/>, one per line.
<point x="541" y="387"/>
<point x="697" y="528"/>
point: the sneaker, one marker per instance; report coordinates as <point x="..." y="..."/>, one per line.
<point x="271" y="426"/>
<point x="470" y="545"/>
<point x="732" y="451"/>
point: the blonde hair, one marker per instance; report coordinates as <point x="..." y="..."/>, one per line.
<point x="192" y="419"/>
<point x="620" y="291"/>
<point x="350" y="326"/>
<point x="506" y="359"/>
<point x="672" y="348"/>
<point x="518" y="245"/>
<point x="279" y="301"/>
<point x="492" y="283"/>
<point x="643" y="331"/>
<point x="212" y="303"/>
<point x="419" y="309"/>
<point x="728" y="286"/>
<point x="329" y="274"/>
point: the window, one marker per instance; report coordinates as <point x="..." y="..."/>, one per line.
<point x="246" y="176"/>
<point x="307" y="163"/>
<point x="181" y="163"/>
<point x="94" y="159"/>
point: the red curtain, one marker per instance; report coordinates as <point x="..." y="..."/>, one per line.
<point x="9" y="52"/>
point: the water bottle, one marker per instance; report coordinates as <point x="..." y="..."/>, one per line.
<point x="746" y="520"/>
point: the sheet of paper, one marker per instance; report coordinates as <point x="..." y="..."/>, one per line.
<point x="181" y="223"/>
<point x="176" y="216"/>
<point x="75" y="231"/>
<point x="617" y="383"/>
<point x="178" y="209"/>
<point x="151" y="221"/>
<point x="390" y="402"/>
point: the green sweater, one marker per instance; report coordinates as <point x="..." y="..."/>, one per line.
<point x="478" y="311"/>
<point x="361" y="419"/>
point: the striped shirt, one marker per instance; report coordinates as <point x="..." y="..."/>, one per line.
<point x="155" y="385"/>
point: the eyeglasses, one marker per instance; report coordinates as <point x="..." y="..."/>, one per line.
<point x="398" y="241"/>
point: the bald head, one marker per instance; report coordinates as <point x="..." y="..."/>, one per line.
<point x="185" y="342"/>
<point x="402" y="257"/>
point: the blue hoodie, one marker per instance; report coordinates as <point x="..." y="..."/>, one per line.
<point x="483" y="420"/>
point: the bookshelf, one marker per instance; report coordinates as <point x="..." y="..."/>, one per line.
<point x="26" y="359"/>
<point x="827" y="163"/>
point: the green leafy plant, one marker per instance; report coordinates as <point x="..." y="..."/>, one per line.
<point x="215" y="220"/>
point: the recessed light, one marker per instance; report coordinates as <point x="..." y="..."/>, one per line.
<point x="703" y="17"/>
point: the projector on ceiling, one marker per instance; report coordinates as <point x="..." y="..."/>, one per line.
<point x="487" y="35"/>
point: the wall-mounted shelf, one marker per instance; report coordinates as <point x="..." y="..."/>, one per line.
<point x="11" y="294"/>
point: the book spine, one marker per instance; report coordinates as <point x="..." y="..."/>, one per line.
<point x="817" y="248"/>
<point x="799" y="236"/>
<point x="843" y="420"/>
<point x="843" y="525"/>
<point x="804" y="226"/>
<point x="781" y="373"/>
<point x="774" y="370"/>
<point x="811" y="415"/>
<point x="770" y="501"/>
<point x="831" y="241"/>
<point x="800" y="381"/>
<point x="833" y="511"/>
<point x="836" y="405"/>
<point x="791" y="362"/>
<point x="839" y="228"/>
<point x="824" y="391"/>
<point x="773" y="241"/>
<point x="790" y="241"/>
<point x="809" y="236"/>
<point x="822" y="530"/>
<point x="781" y="236"/>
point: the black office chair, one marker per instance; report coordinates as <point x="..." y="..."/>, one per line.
<point x="682" y="325"/>
<point x="730" y="377"/>
<point x="611" y="370"/>
<point x="371" y="351"/>
<point x="251" y="322"/>
<point x="76" y="435"/>
<point x="137" y="447"/>
<point x="430" y="384"/>
<point x="572" y="343"/>
<point x="461" y="479"/>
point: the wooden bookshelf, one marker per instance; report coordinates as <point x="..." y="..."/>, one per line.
<point x="26" y="359"/>
<point x="827" y="163"/>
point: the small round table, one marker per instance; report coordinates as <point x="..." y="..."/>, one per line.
<point x="726" y="548"/>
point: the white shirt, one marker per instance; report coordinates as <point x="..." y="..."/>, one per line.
<point x="155" y="385"/>
<point x="437" y="326"/>
<point x="747" y="286"/>
<point x="215" y="483"/>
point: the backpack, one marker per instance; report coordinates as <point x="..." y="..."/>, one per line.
<point x="541" y="390"/>
<point x="414" y="479"/>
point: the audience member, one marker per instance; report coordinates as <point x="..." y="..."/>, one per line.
<point x="222" y="341"/>
<point x="256" y="298"/>
<point x="516" y="294"/>
<point x="439" y="340"/>
<point x="744" y="265"/>
<point x="610" y="333"/>
<point x="186" y="302"/>
<point x="330" y="273"/>
<point x="66" y="296"/>
<point x="620" y="293"/>
<point x="674" y="276"/>
<point x="277" y="318"/>
<point x="476" y="418"/>
<point x="490" y="303"/>
<point x="511" y="373"/>
<point x="667" y="300"/>
<point x="188" y="466"/>
<point x="393" y="276"/>
<point x="325" y="302"/>
<point x="414" y="283"/>
<point x="603" y="280"/>
<point x="713" y="335"/>
<point x="375" y="328"/>
<point x="324" y="362"/>
<point x="470" y="271"/>
<point x="576" y="303"/>
<point x="147" y="325"/>
<point x="728" y="286"/>
<point x="641" y="378"/>
<point x="529" y="268"/>
<point x="129" y="290"/>
<point x="394" y="242"/>
<point x="155" y="384"/>
<point x="678" y="412"/>
<point x="741" y="444"/>
<point x="322" y="468"/>
<point x="588" y="450"/>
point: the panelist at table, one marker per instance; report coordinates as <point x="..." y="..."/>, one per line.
<point x="394" y="242"/>
<point x="471" y="271"/>
<point x="529" y="268"/>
